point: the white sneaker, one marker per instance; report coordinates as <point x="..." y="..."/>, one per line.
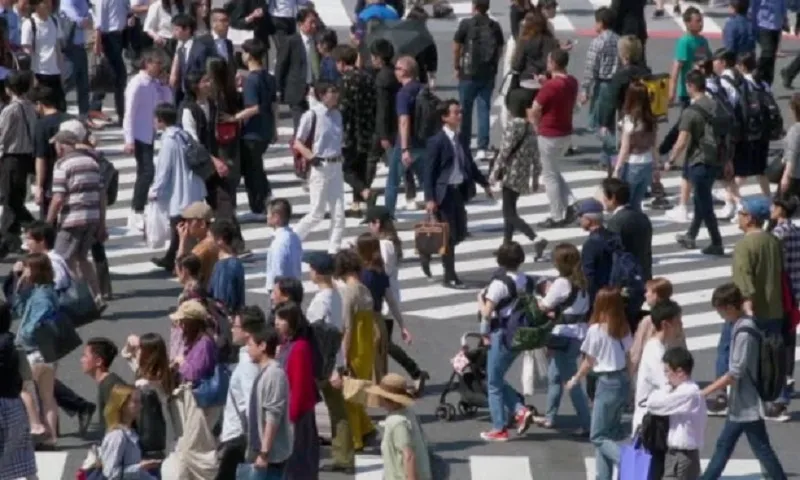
<point x="721" y="195"/>
<point x="678" y="214"/>
<point x="480" y="155"/>
<point x="411" y="205"/>
<point x="136" y="222"/>
<point x="727" y="212"/>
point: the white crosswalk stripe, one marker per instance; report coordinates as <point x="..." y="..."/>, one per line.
<point x="736" y="469"/>
<point x="51" y="465"/>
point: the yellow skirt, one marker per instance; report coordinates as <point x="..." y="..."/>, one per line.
<point x="361" y="358"/>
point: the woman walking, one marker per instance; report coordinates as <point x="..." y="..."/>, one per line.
<point x="120" y="455"/>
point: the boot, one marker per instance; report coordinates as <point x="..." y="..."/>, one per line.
<point x="104" y="278"/>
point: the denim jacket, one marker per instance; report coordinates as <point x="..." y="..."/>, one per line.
<point x="34" y="306"/>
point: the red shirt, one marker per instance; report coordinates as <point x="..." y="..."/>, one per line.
<point x="557" y="98"/>
<point x="302" y="386"/>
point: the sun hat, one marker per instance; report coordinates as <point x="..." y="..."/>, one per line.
<point x="392" y="387"/>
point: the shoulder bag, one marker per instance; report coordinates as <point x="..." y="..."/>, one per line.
<point x="301" y="164"/>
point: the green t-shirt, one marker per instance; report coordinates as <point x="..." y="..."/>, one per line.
<point x="688" y="50"/>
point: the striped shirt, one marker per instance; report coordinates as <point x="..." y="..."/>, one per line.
<point x="77" y="177"/>
<point x="17" y="123"/>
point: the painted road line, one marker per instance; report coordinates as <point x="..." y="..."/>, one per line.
<point x="500" y="467"/>
<point x="51" y="465"/>
<point x="369" y="467"/>
<point x="736" y="469"/>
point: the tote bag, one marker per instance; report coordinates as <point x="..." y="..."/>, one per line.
<point x="157" y="231"/>
<point x="55" y="337"/>
<point x="634" y="461"/>
<point x="195" y="456"/>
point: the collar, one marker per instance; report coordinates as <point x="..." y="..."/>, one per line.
<point x="216" y="36"/>
<point x="188" y="44"/>
<point x="618" y="209"/>
<point x="305" y="37"/>
<point x="449" y="132"/>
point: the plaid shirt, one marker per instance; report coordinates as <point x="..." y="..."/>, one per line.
<point x="601" y="60"/>
<point x="789" y="234"/>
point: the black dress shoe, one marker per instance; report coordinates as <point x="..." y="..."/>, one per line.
<point x="425" y="264"/>
<point x="160" y="262"/>
<point x="454" y="284"/>
<point x="333" y="467"/>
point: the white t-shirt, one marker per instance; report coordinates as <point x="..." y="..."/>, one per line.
<point x="650" y="376"/>
<point x="389" y="256"/>
<point x="497" y="292"/>
<point x="159" y="21"/>
<point x="556" y="295"/>
<point x="48" y="39"/>
<point x="610" y="354"/>
<point x="326" y="306"/>
<point x="629" y="127"/>
<point x="62" y="277"/>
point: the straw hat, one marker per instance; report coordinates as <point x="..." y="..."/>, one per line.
<point x="392" y="387"/>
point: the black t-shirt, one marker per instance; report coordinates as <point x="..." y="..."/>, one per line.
<point x="103" y="392"/>
<point x="46" y="128"/>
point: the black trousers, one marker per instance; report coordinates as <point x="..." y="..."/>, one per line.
<point x="284" y="28"/>
<point x="255" y="180"/>
<point x="113" y="43"/>
<point x="768" y="41"/>
<point x="145" y="172"/>
<point x="356" y="171"/>
<point x="222" y="198"/>
<point x="399" y="355"/>
<point x="511" y="219"/>
<point x="231" y="454"/>
<point x="13" y="188"/>
<point x="174" y="242"/>
<point x="55" y="84"/>
<point x="69" y="401"/>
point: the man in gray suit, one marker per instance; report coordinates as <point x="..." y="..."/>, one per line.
<point x="633" y="227"/>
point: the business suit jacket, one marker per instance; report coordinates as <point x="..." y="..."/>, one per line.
<point x="262" y="29"/>
<point x="195" y="61"/>
<point x="291" y="67"/>
<point x="440" y="156"/>
<point x="636" y="232"/>
<point x="629" y="18"/>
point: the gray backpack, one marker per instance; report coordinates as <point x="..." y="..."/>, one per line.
<point x="715" y="144"/>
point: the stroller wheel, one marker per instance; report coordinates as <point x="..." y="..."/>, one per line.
<point x="445" y="412"/>
<point x="466" y="409"/>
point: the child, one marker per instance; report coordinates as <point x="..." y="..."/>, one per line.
<point x="682" y="402"/>
<point x="657" y="290"/>
<point x="745" y="410"/>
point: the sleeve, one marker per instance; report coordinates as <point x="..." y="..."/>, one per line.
<point x="111" y="454"/>
<point x="729" y="37"/>
<point x="132" y="94"/>
<point x="239" y="11"/>
<point x="543" y="98"/>
<point x="589" y="345"/>
<point x="389" y="257"/>
<point x="250" y="92"/>
<point x="150" y="24"/>
<point x="682" y="50"/>
<point x="189" y="124"/>
<point x="460" y="36"/>
<point x="383" y="110"/>
<point x="401" y="435"/>
<point x="431" y="170"/>
<point x="592" y="65"/>
<point x="26" y="33"/>
<point x="59" y="180"/>
<point x="403" y="103"/>
<point x="741" y="347"/>
<point x="41" y="144"/>
<point x="496" y="291"/>
<point x="304" y="125"/>
<point x="199" y="361"/>
<point x="299" y="369"/>
<point x="588" y="255"/>
<point x="665" y="402"/>
<point x="276" y="391"/>
<point x="163" y="170"/>
<point x="685" y="122"/>
<point x="743" y="274"/>
<point x="165" y="93"/>
<point x="557" y="293"/>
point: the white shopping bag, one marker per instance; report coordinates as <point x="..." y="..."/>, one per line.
<point x="534" y="371"/>
<point x="157" y="231"/>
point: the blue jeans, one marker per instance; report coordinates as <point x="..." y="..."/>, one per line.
<point x="76" y="54"/>
<point x="562" y="366"/>
<point x="395" y="168"/>
<point x="470" y="91"/>
<point x="758" y="439"/>
<point x="609" y="403"/>
<point x="639" y="176"/>
<point x="503" y="399"/>
<point x="724" y="349"/>
<point x="702" y="178"/>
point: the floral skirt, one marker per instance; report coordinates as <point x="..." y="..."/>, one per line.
<point x="17" y="457"/>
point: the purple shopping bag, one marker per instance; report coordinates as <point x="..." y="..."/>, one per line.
<point x="634" y="461"/>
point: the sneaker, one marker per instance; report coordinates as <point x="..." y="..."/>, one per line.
<point x="678" y="214"/>
<point x="495" y="436"/>
<point x="480" y="156"/>
<point x="411" y="205"/>
<point x="777" y="412"/>
<point x="716" y="250"/>
<point x="539" y="246"/>
<point x="685" y="241"/>
<point x="524" y="419"/>
<point x="136" y="222"/>
<point x="727" y="212"/>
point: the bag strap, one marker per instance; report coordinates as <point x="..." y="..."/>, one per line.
<point x="312" y="132"/>
<point x="27" y="124"/>
<point x="240" y="414"/>
<point x="511" y="286"/>
<point x="569" y="301"/>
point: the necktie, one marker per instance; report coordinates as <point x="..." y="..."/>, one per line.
<point x="313" y="57"/>
<point x="459" y="154"/>
<point x="222" y="48"/>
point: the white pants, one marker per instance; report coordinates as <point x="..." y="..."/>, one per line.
<point x="326" y="192"/>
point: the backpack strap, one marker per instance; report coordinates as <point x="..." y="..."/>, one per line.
<point x="511" y="286"/>
<point x="569" y="301"/>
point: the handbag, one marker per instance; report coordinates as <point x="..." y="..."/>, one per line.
<point x="227" y="132"/>
<point x="514" y="148"/>
<point x="77" y="303"/>
<point x="431" y="237"/>
<point x="300" y="162"/>
<point x="102" y="78"/>
<point x="774" y="171"/>
<point x="212" y="391"/>
<point x="634" y="461"/>
<point x="56" y="337"/>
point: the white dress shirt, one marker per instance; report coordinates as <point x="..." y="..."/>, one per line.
<point x="238" y="400"/>
<point x="158" y="21"/>
<point x="649" y="378"/>
<point x="309" y="44"/>
<point x="328" y="134"/>
<point x="187" y="47"/>
<point x="457" y="176"/>
<point x="686" y="409"/>
<point x="221" y="45"/>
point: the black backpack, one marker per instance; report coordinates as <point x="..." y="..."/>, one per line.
<point x="751" y="110"/>
<point x="732" y="110"/>
<point x="715" y="145"/>
<point x="653" y="432"/>
<point x="110" y="176"/>
<point x="770" y="111"/>
<point x="771" y="376"/>
<point x="426" y="122"/>
<point x="481" y="53"/>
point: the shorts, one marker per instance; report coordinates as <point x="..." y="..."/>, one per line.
<point x="35" y="358"/>
<point x="75" y="242"/>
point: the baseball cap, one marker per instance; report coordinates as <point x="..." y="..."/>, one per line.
<point x="757" y="207"/>
<point x="320" y="262"/>
<point x="589" y="206"/>
<point x="198" y="211"/>
<point x="377" y="212"/>
<point x="71" y="132"/>
<point x="190" y="309"/>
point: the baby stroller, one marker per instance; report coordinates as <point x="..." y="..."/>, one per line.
<point x="468" y="380"/>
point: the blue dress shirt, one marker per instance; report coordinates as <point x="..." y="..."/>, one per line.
<point x="111" y="15"/>
<point x="14" y="25"/>
<point x="76" y="11"/>
<point x="285" y="256"/>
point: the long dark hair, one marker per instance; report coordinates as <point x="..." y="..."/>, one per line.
<point x="637" y="106"/>
<point x="534" y="24"/>
<point x="224" y="85"/>
<point x="154" y="361"/>
<point x="368" y="247"/>
<point x="292" y="314"/>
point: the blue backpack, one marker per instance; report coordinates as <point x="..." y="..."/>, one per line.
<point x="626" y="274"/>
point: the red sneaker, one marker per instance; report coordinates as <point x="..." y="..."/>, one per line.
<point x="495" y="435"/>
<point x="524" y="419"/>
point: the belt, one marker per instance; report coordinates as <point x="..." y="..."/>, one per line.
<point x="681" y="450"/>
<point x="611" y="373"/>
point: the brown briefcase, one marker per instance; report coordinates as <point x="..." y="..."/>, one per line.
<point x="431" y="237"/>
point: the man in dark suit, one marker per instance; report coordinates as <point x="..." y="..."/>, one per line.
<point x="632" y="226"/>
<point x="217" y="38"/>
<point x="449" y="183"/>
<point x="252" y="15"/>
<point x="386" y="87"/>
<point x="191" y="54"/>
<point x="297" y="65"/>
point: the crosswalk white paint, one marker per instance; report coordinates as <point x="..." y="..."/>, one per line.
<point x="51" y="465"/>
<point x="736" y="469"/>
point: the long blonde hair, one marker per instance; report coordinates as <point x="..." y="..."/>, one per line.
<point x="117" y="401"/>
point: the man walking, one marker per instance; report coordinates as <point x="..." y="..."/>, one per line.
<point x="75" y="18"/>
